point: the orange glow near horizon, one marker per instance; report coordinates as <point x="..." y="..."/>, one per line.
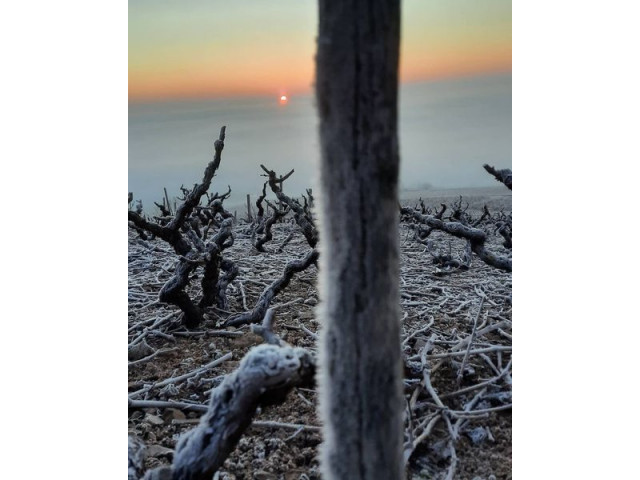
<point x="146" y="86"/>
<point x="284" y="100"/>
<point x="262" y="48"/>
<point x="261" y="74"/>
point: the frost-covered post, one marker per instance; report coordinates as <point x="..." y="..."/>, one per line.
<point x="360" y="373"/>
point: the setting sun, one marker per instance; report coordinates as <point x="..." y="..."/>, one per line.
<point x="283" y="100"/>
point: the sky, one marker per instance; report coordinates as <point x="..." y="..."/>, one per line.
<point x="211" y="49"/>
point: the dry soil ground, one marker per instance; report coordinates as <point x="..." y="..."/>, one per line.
<point x="478" y="444"/>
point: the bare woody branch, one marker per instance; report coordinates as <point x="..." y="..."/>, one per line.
<point x="193" y="199"/>
<point x="302" y="219"/>
<point x="311" y="199"/>
<point x="285" y="242"/>
<point x="476" y="237"/>
<point x="269" y="293"/>
<point x="483" y="217"/>
<point x="174" y="290"/>
<point x="217" y="196"/>
<point x="268" y="235"/>
<point x="231" y="271"/>
<point x="504" y="229"/>
<point x="171" y="232"/>
<point x="220" y="241"/>
<point x="257" y="228"/>
<point x="183" y="234"/>
<point x="266" y="329"/>
<point x="265" y="375"/>
<point x="163" y="209"/>
<point x="260" y="200"/>
<point x="171" y="236"/>
<point x="503" y="176"/>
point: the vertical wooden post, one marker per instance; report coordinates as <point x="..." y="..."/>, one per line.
<point x="167" y="199"/>
<point x="249" y="217"/>
<point x="360" y="377"/>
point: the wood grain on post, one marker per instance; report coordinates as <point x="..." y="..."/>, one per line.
<point x="249" y="217"/>
<point x="361" y="400"/>
<point x="166" y="197"/>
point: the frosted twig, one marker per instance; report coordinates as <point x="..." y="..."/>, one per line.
<point x="244" y="297"/>
<point x="495" y="348"/>
<point x="479" y="385"/>
<point x="505" y="334"/>
<point x="473" y="334"/>
<point x="426" y="373"/>
<point x="309" y="332"/>
<point x="209" y="333"/>
<point x="288" y="426"/>
<point x="419" y="331"/>
<point x="194" y="407"/>
<point x="194" y="373"/>
<point x="425" y="433"/>
<point x="454" y="458"/>
<point x="153" y="355"/>
<point x="287" y="304"/>
<point x="476" y="413"/>
<point x="266" y="330"/>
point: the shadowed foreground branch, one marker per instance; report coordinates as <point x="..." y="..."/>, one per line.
<point x="265" y="375"/>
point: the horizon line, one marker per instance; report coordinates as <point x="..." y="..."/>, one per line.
<point x="302" y="92"/>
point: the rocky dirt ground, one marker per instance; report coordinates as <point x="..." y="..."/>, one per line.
<point x="465" y="433"/>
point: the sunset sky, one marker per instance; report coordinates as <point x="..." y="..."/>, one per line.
<point x="210" y="48"/>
